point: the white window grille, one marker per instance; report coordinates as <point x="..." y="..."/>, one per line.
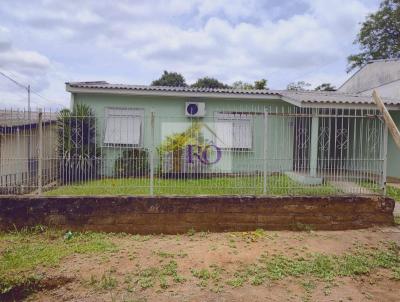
<point x="123" y="126"/>
<point x="233" y="130"/>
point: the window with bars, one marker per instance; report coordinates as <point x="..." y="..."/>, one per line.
<point x="123" y="126"/>
<point x="233" y="131"/>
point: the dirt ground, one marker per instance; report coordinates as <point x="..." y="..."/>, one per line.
<point x="206" y="267"/>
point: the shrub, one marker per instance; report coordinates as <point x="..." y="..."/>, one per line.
<point x="77" y="144"/>
<point x="132" y="163"/>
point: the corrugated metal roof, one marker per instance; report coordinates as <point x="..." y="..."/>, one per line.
<point x="332" y="97"/>
<point x="18" y="118"/>
<point x="296" y="97"/>
<point x="105" y="85"/>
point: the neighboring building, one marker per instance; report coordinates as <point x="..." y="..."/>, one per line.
<point x="289" y="130"/>
<point x="384" y="77"/>
<point x="380" y="75"/>
<point x="19" y="151"/>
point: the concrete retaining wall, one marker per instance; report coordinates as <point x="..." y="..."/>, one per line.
<point x="171" y="215"/>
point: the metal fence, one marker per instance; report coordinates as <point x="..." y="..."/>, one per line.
<point x="247" y="150"/>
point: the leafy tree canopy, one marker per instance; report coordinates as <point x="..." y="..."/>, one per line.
<point x="170" y="79"/>
<point x="298" y="86"/>
<point x="379" y="37"/>
<point x="261" y="84"/>
<point x="207" y="82"/>
<point x="242" y="85"/>
<point x="325" y="87"/>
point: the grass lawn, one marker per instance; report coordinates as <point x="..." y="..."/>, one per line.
<point x="393" y="192"/>
<point x="23" y="252"/>
<point x="47" y="265"/>
<point x="276" y="185"/>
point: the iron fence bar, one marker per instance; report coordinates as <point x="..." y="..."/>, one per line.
<point x="40" y="152"/>
<point x="384" y="157"/>
<point x="152" y="126"/>
<point x="265" y="145"/>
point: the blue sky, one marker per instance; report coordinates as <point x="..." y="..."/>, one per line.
<point x="47" y="43"/>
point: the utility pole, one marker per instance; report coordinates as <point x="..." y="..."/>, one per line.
<point x="29" y="99"/>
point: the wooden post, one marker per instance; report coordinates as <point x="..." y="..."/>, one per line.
<point x="388" y="119"/>
<point x="40" y="152"/>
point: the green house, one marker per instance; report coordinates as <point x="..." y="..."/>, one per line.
<point x="308" y="135"/>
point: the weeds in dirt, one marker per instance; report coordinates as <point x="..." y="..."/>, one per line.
<point x="232" y="243"/>
<point x="393" y="192"/>
<point x="22" y="253"/>
<point x="108" y="281"/>
<point x="142" y="238"/>
<point x="256" y="235"/>
<point x="148" y="277"/>
<point x="250" y="237"/>
<point x="182" y="254"/>
<point x="212" y="274"/>
<point x="163" y="254"/>
<point x="204" y="234"/>
<point x="191" y="232"/>
<point x="28" y="249"/>
<point x="323" y="267"/>
<point x="309" y="286"/>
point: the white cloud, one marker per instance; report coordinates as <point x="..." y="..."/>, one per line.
<point x="134" y="41"/>
<point x="25" y="66"/>
<point x="21" y="59"/>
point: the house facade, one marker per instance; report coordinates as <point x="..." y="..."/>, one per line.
<point x="243" y="131"/>
<point x="19" y="137"/>
<point x="384" y="77"/>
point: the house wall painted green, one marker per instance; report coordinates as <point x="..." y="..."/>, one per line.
<point x="169" y="111"/>
<point x="170" y="117"/>
<point x="393" y="159"/>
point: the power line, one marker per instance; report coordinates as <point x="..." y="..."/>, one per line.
<point x="41" y="96"/>
<point x="28" y="88"/>
<point x="13" y="80"/>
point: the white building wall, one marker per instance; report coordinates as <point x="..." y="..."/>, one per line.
<point x="391" y="90"/>
<point x="372" y="75"/>
<point x="14" y="154"/>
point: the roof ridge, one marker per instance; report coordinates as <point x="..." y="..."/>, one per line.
<point x="292" y="96"/>
<point x="105" y="84"/>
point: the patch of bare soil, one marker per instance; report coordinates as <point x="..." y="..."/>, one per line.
<point x="207" y="266"/>
<point x="25" y="290"/>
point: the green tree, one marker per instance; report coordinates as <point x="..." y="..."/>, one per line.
<point x="207" y="82"/>
<point x="170" y="79"/>
<point x="261" y="84"/>
<point x="298" y="86"/>
<point x="242" y="85"/>
<point x="176" y="144"/>
<point x="325" y="87"/>
<point x="379" y="37"/>
<point x="77" y="144"/>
